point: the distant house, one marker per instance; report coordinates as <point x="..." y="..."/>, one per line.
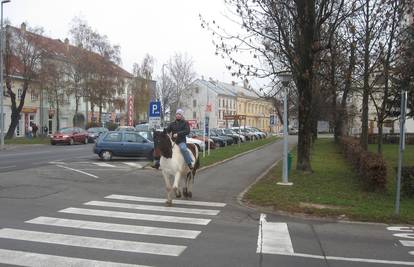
<point x="39" y="107"/>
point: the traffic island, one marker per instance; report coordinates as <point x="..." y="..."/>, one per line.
<point x="333" y="190"/>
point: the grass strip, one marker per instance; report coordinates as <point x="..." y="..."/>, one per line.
<point x="333" y="189"/>
<point x="217" y="155"/>
<point x="27" y="141"/>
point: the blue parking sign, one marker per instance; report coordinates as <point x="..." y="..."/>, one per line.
<point x="155" y="109"/>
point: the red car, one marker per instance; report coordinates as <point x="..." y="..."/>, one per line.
<point x="69" y="136"/>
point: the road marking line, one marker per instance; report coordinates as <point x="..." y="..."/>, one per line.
<point x="405" y="235"/>
<point x="137" y="216"/>
<point x="407" y="243"/>
<point x="92" y="242"/>
<point x="75" y="170"/>
<point x="390" y="262"/>
<point x="6" y="167"/>
<point x="23" y="258"/>
<point x="273" y="238"/>
<point x="161" y="200"/>
<point x="102" y="164"/>
<point x="113" y="227"/>
<point x="400" y="229"/>
<point x="133" y="164"/>
<point x="153" y="208"/>
<point x="56" y="162"/>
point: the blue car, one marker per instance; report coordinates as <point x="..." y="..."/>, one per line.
<point x="123" y="144"/>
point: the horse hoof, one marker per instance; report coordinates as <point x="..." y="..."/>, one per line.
<point x="190" y="194"/>
<point x="177" y="192"/>
<point x="168" y="203"/>
<point x="185" y="193"/>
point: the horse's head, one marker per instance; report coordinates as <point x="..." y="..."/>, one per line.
<point x="162" y="144"/>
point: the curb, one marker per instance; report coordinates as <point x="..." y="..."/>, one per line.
<point x="235" y="156"/>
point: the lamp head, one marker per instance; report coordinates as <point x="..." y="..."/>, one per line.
<point x="5" y="1"/>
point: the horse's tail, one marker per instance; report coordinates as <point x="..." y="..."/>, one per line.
<point x="196" y="165"/>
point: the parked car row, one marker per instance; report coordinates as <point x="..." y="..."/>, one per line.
<point x="220" y="137"/>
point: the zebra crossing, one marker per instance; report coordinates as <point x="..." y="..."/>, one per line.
<point x="118" y="215"/>
<point x="405" y="235"/>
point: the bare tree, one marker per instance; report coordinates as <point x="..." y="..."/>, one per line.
<point x="283" y="35"/>
<point x="23" y="54"/>
<point x="182" y="74"/>
<point x="141" y="87"/>
<point x="165" y="93"/>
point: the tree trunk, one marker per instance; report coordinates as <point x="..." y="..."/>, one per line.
<point x="304" y="78"/>
<point x="366" y="89"/>
<point x="15" y="116"/>
<point x="57" y="115"/>
<point x="380" y="133"/>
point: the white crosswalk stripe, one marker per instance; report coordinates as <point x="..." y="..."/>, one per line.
<point x="137" y="216"/>
<point x="31" y="259"/>
<point x="273" y="238"/>
<point x="93" y="220"/>
<point x="112" y="227"/>
<point x="161" y="200"/>
<point x="92" y="242"/>
<point x="152" y="208"/>
<point x="404" y="232"/>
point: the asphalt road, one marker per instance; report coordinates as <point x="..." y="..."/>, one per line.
<point x="77" y="211"/>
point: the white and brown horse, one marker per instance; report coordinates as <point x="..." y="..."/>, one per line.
<point x="172" y="164"/>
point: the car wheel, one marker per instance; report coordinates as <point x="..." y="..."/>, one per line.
<point x="105" y="155"/>
<point x="53" y="143"/>
<point x="71" y="141"/>
<point x="151" y="155"/>
<point x="86" y="140"/>
<point x="217" y="144"/>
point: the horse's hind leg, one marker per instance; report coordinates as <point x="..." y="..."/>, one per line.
<point x="189" y="184"/>
<point x="168" y="188"/>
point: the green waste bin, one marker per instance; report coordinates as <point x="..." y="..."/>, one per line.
<point x="289" y="162"/>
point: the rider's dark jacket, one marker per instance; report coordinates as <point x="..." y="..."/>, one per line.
<point x="181" y="128"/>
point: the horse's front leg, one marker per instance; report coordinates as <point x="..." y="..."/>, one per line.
<point x="189" y="183"/>
<point x="168" y="188"/>
<point x="176" y="186"/>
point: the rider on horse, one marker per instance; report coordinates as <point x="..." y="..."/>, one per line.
<point x="180" y="129"/>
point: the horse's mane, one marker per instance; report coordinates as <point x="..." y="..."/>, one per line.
<point x="164" y="144"/>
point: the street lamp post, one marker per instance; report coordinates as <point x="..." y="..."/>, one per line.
<point x="1" y="76"/>
<point x="285" y="78"/>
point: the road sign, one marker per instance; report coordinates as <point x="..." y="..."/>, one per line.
<point x="155" y="109"/>
<point x="154" y="122"/>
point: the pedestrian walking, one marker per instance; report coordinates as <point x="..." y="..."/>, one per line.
<point x="34" y="130"/>
<point x="29" y="130"/>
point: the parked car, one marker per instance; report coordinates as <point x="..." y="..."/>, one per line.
<point x="249" y="135"/>
<point x="198" y="134"/>
<point x="69" y="136"/>
<point x="95" y="132"/>
<point x="228" y="140"/>
<point x="259" y="132"/>
<point x="125" y="128"/>
<point x="293" y="131"/>
<point x="123" y="144"/>
<point x="227" y="132"/>
<point x="200" y="144"/>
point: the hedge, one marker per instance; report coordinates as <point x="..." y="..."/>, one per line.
<point x="391" y="138"/>
<point x="407" y="181"/>
<point x="371" y="167"/>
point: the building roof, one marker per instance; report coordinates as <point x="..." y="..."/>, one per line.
<point x="57" y="48"/>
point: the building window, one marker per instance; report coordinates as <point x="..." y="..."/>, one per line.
<point x="194" y="102"/>
<point x="33" y="96"/>
<point x="196" y="90"/>
<point x="19" y="93"/>
<point x="194" y="115"/>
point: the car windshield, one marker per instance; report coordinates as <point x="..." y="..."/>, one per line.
<point x="66" y="130"/>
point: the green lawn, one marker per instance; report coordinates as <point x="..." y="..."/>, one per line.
<point x="26" y="141"/>
<point x="222" y="153"/>
<point x="334" y="186"/>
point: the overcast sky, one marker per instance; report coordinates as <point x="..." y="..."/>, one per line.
<point x="157" y="27"/>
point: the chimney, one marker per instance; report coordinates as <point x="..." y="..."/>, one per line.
<point x="23" y="27"/>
